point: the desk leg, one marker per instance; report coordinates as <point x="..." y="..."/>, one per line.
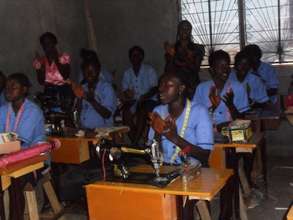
<point x="2" y="207"/>
<point x="31" y="199"/>
<point x="203" y="210"/>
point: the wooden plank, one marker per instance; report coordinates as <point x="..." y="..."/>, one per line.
<point x="203" y="210"/>
<point x="30" y="196"/>
<point x="203" y="187"/>
<point x="114" y="203"/>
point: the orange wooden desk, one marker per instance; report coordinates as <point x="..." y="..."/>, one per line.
<point x="125" y="201"/>
<point x="290" y="214"/>
<point x="20" y="169"/>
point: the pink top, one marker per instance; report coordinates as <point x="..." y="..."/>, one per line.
<point x="53" y="76"/>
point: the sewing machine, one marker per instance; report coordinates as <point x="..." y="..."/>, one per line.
<point x="153" y="151"/>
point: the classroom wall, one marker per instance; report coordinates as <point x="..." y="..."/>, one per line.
<point x="22" y="22"/>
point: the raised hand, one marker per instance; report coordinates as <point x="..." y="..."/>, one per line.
<point x="228" y="99"/>
<point x="215" y="99"/>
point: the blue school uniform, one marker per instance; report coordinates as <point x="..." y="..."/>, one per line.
<point x="30" y="128"/>
<point x="269" y="76"/>
<point x="199" y="130"/>
<point x="145" y="80"/>
<point x="105" y="95"/>
<point x="222" y="113"/>
<point x="2" y="99"/>
<point x="258" y="92"/>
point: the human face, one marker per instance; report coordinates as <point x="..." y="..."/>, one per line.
<point x="170" y="89"/>
<point x="184" y="30"/>
<point x="49" y="46"/>
<point x="221" y="70"/>
<point x="91" y="73"/>
<point x="15" y="91"/>
<point x="136" y="57"/>
<point x="242" y="67"/>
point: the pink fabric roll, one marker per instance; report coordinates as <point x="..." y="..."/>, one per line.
<point x="30" y="152"/>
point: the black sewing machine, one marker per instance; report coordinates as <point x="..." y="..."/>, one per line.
<point x="121" y="173"/>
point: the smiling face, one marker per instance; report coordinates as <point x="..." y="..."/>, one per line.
<point x="14" y="91"/>
<point x="221" y="70"/>
<point x="170" y="89"/>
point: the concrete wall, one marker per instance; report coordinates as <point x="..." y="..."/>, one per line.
<point x="122" y="24"/>
<point x="22" y="22"/>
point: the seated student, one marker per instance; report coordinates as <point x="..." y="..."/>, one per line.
<point x="226" y="99"/>
<point x="2" y="86"/>
<point x="53" y="69"/>
<point x="86" y="54"/>
<point x="25" y="118"/>
<point x="264" y="70"/>
<point x="99" y="103"/>
<point x="187" y="126"/>
<point x="139" y="86"/>
<point x="255" y="87"/>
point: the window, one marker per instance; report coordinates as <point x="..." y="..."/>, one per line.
<point x="267" y="23"/>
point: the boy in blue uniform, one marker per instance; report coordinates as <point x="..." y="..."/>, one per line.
<point x="99" y="103"/>
<point x="25" y="118"/>
<point x="226" y="99"/>
<point x="255" y="87"/>
<point x="264" y="70"/>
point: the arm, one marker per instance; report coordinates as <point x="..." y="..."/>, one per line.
<point x="40" y="69"/>
<point x="63" y="65"/>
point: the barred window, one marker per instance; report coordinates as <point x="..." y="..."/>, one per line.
<point x="267" y="23"/>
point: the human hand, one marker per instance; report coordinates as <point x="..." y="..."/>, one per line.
<point x="215" y="99"/>
<point x="228" y="98"/>
<point x="170" y="130"/>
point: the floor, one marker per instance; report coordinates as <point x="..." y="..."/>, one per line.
<point x="280" y="174"/>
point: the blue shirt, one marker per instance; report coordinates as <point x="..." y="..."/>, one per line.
<point x="222" y="113"/>
<point x="269" y="76"/>
<point x="30" y="129"/>
<point x="199" y="130"/>
<point x="257" y="89"/>
<point x="105" y="95"/>
<point x="2" y="99"/>
<point x="142" y="83"/>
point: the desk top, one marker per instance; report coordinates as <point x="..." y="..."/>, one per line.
<point x="252" y="143"/>
<point x="203" y="187"/>
<point x="290" y="214"/>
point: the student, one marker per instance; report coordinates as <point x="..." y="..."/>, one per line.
<point x="99" y="103"/>
<point x="23" y="117"/>
<point x="2" y="86"/>
<point x="185" y="55"/>
<point x="226" y="99"/>
<point x="264" y="70"/>
<point x="139" y="86"/>
<point x="255" y="87"/>
<point x="86" y="54"/>
<point x="53" y="69"/>
<point x="187" y="126"/>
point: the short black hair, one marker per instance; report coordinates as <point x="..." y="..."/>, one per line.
<point x="134" y="48"/>
<point x="253" y="50"/>
<point x="218" y="55"/>
<point x="241" y="55"/>
<point x="48" y="35"/>
<point x="90" y="62"/>
<point x="87" y="54"/>
<point x="20" y="78"/>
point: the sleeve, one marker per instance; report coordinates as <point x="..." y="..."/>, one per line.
<point x="259" y="92"/>
<point x="204" y="130"/>
<point x="109" y="99"/>
<point x="125" y="81"/>
<point x="240" y="98"/>
<point x="39" y="130"/>
<point x="3" y="113"/>
<point x="272" y="77"/>
<point x="153" y="77"/>
<point x="65" y="59"/>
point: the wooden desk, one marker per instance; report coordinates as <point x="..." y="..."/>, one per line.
<point x="290" y="214"/>
<point x="112" y="200"/>
<point x="75" y="150"/>
<point x="20" y="169"/>
<point x="270" y="119"/>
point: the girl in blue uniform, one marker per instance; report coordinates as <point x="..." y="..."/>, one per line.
<point x="23" y="117"/>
